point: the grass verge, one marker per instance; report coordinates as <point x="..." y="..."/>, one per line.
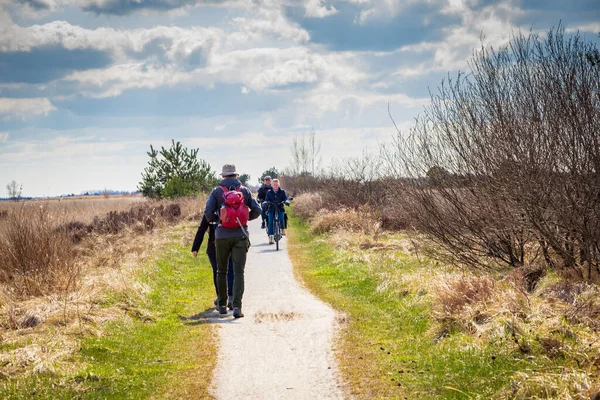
<point x="165" y="352"/>
<point x="390" y="345"/>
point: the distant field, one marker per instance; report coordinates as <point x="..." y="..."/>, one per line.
<point x="80" y="208"/>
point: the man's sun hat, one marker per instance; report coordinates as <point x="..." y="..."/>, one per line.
<point x="228" y="169"/>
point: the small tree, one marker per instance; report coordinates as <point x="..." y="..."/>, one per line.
<point x="14" y="190"/>
<point x="272" y="172"/>
<point x="175" y="172"/>
<point x="244" y="179"/>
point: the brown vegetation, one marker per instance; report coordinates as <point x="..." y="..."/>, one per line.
<point x="61" y="262"/>
<point x="502" y="169"/>
<point x="554" y="319"/>
<point x="503" y="166"/>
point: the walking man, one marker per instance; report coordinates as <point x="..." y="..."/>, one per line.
<point x="231" y="205"/>
<point x="211" y="252"/>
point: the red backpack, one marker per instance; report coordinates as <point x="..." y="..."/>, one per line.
<point x="233" y="211"/>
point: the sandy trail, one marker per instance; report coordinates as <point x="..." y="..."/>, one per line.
<point x="282" y="348"/>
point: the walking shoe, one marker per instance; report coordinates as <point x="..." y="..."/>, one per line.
<point x="283" y="232"/>
<point x="222" y="309"/>
<point x="271" y="239"/>
<point x="262" y="226"/>
<point x="230" y="303"/>
<point x="237" y="313"/>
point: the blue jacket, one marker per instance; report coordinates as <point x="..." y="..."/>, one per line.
<point x="262" y="192"/>
<point x="215" y="201"/>
<point x="278" y="196"/>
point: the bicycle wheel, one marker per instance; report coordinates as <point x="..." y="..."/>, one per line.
<point x="277" y="234"/>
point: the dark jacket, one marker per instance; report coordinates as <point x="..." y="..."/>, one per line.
<point x="205" y="226"/>
<point x="277" y="196"/>
<point x="262" y="192"/>
<point x="215" y="201"/>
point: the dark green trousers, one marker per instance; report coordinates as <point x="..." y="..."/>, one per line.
<point x="237" y="248"/>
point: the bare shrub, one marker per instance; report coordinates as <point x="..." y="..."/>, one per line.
<point x="351" y="220"/>
<point x="307" y="205"/>
<point x="36" y="257"/>
<point x="297" y="184"/>
<point x="356" y="183"/>
<point x="503" y="165"/>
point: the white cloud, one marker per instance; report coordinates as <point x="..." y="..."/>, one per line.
<point x="112" y="81"/>
<point x="24" y="107"/>
<point x="322" y="100"/>
<point x="266" y="68"/>
<point x="489" y="26"/>
<point x="318" y="9"/>
<point x="180" y="42"/>
<point x="4" y="137"/>
<point x="593" y="27"/>
<point x="267" y="22"/>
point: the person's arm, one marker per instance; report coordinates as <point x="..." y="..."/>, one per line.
<point x="260" y="196"/>
<point x="255" y="209"/>
<point x="199" y="236"/>
<point x="211" y="207"/>
<point x="284" y="197"/>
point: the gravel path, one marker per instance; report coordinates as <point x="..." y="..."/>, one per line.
<point x="282" y="348"/>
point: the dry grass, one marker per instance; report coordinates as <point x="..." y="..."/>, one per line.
<point x="308" y="204"/>
<point x="549" y="320"/>
<point x="41" y="329"/>
<point x="345" y="220"/>
<point x="81" y="209"/>
<point x="37" y="258"/>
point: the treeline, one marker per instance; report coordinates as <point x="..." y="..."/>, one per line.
<point x="502" y="169"/>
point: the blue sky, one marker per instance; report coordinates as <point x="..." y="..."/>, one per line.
<point x="87" y="85"/>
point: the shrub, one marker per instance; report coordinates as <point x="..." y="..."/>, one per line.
<point x="503" y="164"/>
<point x="343" y="219"/>
<point x="307" y="205"/>
<point x="37" y="258"/>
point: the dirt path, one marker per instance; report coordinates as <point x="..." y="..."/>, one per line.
<point x="282" y="348"/>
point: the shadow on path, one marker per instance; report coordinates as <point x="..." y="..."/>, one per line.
<point x="208" y="316"/>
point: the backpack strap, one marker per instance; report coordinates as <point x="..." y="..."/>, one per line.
<point x="225" y="190"/>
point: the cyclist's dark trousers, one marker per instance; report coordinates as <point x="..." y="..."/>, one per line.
<point x="271" y="225"/>
<point x="263" y="214"/>
<point x="212" y="257"/>
<point x="236" y="248"/>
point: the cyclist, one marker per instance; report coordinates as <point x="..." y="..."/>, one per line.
<point x="260" y="197"/>
<point x="277" y="196"/>
<point x="211" y="252"/>
<point x="230" y="241"/>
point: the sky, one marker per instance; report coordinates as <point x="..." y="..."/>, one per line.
<point x="86" y="86"/>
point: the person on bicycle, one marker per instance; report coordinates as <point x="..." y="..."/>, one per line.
<point x="211" y="252"/>
<point x="260" y="197"/>
<point x="229" y="241"/>
<point x="277" y="197"/>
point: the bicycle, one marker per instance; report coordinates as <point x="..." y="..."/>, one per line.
<point x="276" y="222"/>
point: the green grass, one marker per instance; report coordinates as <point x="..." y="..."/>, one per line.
<point x="164" y="356"/>
<point x="387" y="347"/>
